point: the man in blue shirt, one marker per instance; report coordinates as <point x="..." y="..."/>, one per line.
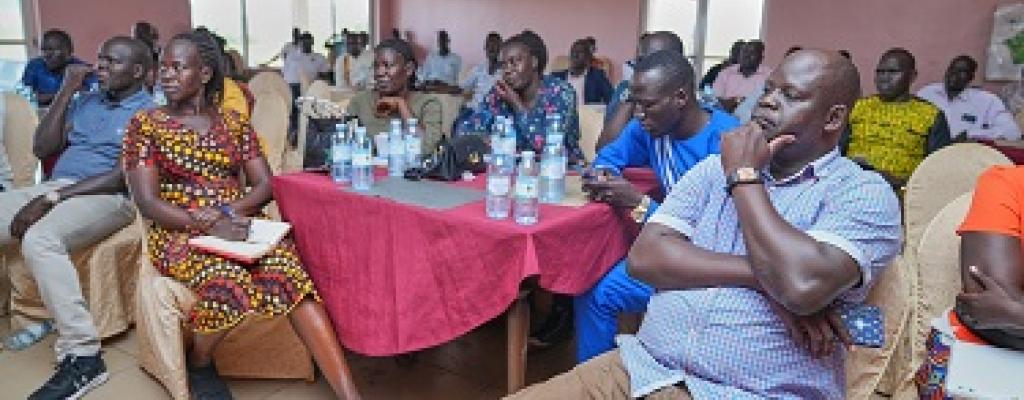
<point x="46" y="73"/>
<point x="671" y="133"/>
<point x="83" y="203"/>
<point x="620" y="111"/>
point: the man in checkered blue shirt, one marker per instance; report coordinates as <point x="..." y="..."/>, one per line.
<point x="751" y="253"/>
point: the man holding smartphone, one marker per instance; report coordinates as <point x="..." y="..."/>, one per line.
<point x="669" y="133"/>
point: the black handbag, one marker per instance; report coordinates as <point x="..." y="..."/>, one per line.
<point x="317" y="150"/>
<point x="453" y="157"/>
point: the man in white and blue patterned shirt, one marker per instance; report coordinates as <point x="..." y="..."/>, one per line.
<point x="750" y="253"/>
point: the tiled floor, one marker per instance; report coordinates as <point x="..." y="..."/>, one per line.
<point x="471" y="367"/>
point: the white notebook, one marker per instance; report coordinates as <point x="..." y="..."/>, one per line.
<point x="985" y="372"/>
<point x="263" y="236"/>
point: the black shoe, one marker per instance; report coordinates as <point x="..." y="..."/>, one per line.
<point x="557" y="328"/>
<point x="204" y="383"/>
<point x="75" y="376"/>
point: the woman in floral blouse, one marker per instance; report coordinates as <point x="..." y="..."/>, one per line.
<point x="526" y="96"/>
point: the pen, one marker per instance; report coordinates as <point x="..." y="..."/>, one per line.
<point x="227" y="211"/>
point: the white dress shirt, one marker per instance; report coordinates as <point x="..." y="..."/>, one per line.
<point x="979" y="114"/>
<point x="440" y="68"/>
<point x="360" y="70"/>
<point x="289" y="49"/>
<point x="298" y="64"/>
<point x="578" y="84"/>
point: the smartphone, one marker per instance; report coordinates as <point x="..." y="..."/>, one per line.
<point x="599" y="172"/>
<point x="865" y="323"/>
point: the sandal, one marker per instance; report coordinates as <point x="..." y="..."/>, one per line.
<point x="29" y="336"/>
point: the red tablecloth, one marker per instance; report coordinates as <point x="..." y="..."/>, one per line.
<point x="1014" y="153"/>
<point x="397" y="278"/>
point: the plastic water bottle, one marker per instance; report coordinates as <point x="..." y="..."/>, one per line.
<point x="27" y="93"/>
<point x="497" y="132"/>
<point x="396" y="151"/>
<point x="362" y="167"/>
<point x="499" y="186"/>
<point x="552" y="162"/>
<point x="413" y="144"/>
<point x="508" y="137"/>
<point x="158" y="95"/>
<point x="707" y="97"/>
<point x="527" y="209"/>
<point x="341" y="155"/>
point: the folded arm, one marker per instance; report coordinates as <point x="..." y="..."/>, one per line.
<point x="799" y="271"/>
<point x="666" y="259"/>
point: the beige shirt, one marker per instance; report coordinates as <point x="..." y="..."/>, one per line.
<point x="578" y="83"/>
<point x="425" y="107"/>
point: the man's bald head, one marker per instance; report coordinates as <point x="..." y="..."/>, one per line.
<point x="834" y="76"/>
<point x="809" y="96"/>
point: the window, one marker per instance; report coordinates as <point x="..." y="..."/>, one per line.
<point x="707" y="27"/>
<point x="259" y="28"/>
<point x="13" y="35"/>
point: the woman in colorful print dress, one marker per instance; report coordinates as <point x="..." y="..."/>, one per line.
<point x="183" y="163"/>
<point x="526" y="96"/>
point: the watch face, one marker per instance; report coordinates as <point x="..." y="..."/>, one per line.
<point x="746" y="174"/>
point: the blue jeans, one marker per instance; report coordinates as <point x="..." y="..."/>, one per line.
<point x="597" y="310"/>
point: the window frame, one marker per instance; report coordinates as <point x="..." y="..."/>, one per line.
<point x="371" y="24"/>
<point x="700" y="31"/>
<point x="29" y="31"/>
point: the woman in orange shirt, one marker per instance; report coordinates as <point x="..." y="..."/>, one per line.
<point x="990" y="307"/>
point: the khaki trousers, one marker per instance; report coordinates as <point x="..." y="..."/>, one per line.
<point x="601" y="378"/>
<point x="73" y="224"/>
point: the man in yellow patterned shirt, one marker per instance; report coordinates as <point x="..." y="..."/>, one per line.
<point x="892" y="131"/>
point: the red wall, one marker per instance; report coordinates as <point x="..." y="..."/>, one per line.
<point x="935" y="31"/>
<point x="91" y="22"/>
<point x="614" y="23"/>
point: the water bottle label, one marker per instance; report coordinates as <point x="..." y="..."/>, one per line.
<point x="552" y="169"/>
<point x="508" y="146"/>
<point x="499" y="185"/>
<point x="341" y="153"/>
<point x="397" y="147"/>
<point x="412" y="146"/>
<point x="361" y="160"/>
<point x="526" y="188"/>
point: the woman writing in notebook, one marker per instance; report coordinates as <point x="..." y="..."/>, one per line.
<point x="990" y="307"/>
<point x="182" y="163"/>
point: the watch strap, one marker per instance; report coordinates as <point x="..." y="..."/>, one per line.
<point x="737" y="178"/>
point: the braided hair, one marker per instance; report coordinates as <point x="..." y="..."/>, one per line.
<point x="534" y="45"/>
<point x="211" y="56"/>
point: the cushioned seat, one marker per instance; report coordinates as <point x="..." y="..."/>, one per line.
<point x="162" y="337"/>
